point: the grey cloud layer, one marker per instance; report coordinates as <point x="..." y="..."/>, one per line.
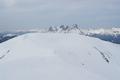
<point x="47" y="12"/>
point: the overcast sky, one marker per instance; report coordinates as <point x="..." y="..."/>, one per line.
<point x="44" y="13"/>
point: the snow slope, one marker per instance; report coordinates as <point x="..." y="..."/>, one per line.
<point x="59" y="56"/>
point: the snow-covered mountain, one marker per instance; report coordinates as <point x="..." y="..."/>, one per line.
<point x="4" y="36"/>
<point x="66" y="29"/>
<point x="59" y="56"/>
<point x="111" y="35"/>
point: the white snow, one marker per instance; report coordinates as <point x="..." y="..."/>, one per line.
<point x="59" y="56"/>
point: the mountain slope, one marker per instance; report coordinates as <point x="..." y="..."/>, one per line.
<point x="59" y="56"/>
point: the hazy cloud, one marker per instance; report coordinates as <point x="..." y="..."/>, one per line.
<point x="28" y="13"/>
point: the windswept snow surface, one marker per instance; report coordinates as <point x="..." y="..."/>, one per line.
<point x="59" y="56"/>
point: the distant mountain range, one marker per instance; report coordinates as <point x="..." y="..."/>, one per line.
<point x="4" y="36"/>
<point x="111" y="35"/>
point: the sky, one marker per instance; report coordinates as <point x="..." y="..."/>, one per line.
<point x="24" y="14"/>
